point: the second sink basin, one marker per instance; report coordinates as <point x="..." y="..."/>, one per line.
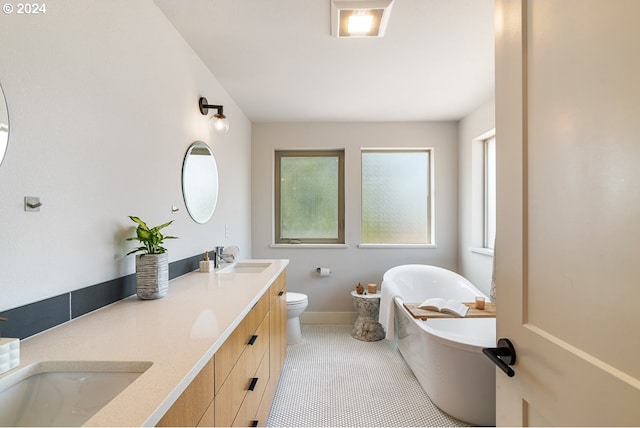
<point x="245" y="267"/>
<point x="63" y="393"/>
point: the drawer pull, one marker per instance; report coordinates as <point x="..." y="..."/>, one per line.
<point x="281" y="293"/>
<point x="252" y="386"/>
<point x="254" y="424"/>
<point x="253" y="339"/>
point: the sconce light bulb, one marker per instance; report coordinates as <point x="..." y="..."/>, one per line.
<point x="220" y="123"/>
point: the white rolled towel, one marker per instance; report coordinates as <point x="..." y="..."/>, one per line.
<point x="389" y="291"/>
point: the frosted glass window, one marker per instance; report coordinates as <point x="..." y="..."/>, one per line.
<point x="396" y="196"/>
<point x="489" y="192"/>
<point x="309" y="197"/>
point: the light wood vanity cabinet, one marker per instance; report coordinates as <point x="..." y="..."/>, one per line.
<point x="278" y="348"/>
<point x="195" y="406"/>
<point x="237" y="386"/>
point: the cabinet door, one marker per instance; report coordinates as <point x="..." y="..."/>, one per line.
<point x="278" y="345"/>
<point x="192" y="404"/>
<point x="208" y="419"/>
<point x="281" y="325"/>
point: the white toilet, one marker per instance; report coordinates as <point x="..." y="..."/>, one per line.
<point x="296" y="304"/>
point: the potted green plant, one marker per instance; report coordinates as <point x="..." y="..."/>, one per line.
<point x="152" y="266"/>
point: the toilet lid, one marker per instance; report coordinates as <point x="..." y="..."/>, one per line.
<point x="295" y="297"/>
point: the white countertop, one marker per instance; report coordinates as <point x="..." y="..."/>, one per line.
<point x="178" y="333"/>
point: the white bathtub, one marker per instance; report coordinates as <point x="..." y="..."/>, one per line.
<point x="444" y="354"/>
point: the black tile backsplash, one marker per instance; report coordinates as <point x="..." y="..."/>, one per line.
<point x="34" y="318"/>
<point x="96" y="296"/>
<point x="180" y="267"/>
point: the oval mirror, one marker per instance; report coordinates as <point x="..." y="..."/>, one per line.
<point x="200" y="182"/>
<point x="4" y="125"/>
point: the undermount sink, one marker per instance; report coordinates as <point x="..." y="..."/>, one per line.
<point x="66" y="393"/>
<point x="245" y="267"/>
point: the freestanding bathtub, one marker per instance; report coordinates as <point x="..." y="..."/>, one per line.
<point x="444" y="354"/>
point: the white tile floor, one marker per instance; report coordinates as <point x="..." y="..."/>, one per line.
<point x="331" y="379"/>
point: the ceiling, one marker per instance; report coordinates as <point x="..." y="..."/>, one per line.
<point x="278" y="61"/>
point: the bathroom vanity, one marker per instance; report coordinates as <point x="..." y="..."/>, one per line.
<point x="213" y="349"/>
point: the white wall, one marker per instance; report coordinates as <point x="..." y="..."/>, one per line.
<point x="102" y="100"/>
<point x="476" y="267"/>
<point x="352" y="264"/>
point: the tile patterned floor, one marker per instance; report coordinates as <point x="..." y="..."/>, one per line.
<point x="331" y="379"/>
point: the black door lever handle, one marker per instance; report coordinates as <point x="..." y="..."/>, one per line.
<point x="505" y="349"/>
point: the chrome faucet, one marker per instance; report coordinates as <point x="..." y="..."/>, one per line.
<point x="221" y="257"/>
<point x="217" y="258"/>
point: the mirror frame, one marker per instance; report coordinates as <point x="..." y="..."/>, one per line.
<point x="195" y="186"/>
<point x="4" y="117"/>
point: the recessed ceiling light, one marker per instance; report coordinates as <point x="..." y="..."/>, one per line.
<point x="361" y="24"/>
<point x="359" y="18"/>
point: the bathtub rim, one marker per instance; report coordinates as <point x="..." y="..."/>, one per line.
<point x="469" y="344"/>
<point x="388" y="274"/>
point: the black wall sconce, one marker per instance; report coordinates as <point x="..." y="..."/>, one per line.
<point x="220" y="121"/>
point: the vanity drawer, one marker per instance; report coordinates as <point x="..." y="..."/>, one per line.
<point x="253" y="353"/>
<point x="228" y="354"/>
<point x="256" y="315"/>
<point x="234" y="389"/>
<point x="248" y="413"/>
<point x="279" y="285"/>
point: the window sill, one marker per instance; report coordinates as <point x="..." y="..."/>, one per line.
<point x="419" y="246"/>
<point x="306" y="246"/>
<point x="485" y="251"/>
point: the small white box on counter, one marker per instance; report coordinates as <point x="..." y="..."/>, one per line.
<point x="9" y="354"/>
<point x="207" y="266"/>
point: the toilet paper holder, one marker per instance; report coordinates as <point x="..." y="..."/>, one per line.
<point x="323" y="271"/>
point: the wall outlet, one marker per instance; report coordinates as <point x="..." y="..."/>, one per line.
<point x="226" y="230"/>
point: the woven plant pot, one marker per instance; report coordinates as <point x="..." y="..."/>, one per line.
<point x="152" y="275"/>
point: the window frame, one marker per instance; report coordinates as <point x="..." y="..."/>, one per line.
<point x="278" y="155"/>
<point x="486" y="209"/>
<point x="431" y="238"/>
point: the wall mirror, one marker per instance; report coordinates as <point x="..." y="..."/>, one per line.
<point x="200" y="182"/>
<point x="4" y="125"/>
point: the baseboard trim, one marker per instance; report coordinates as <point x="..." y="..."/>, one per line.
<point x="328" y="317"/>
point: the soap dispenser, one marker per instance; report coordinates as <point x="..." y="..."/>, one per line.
<point x="206" y="265"/>
<point x="9" y="353"/>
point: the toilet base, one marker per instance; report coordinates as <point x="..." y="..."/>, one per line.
<point x="294" y="335"/>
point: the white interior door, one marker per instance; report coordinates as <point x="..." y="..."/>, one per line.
<point x="568" y="225"/>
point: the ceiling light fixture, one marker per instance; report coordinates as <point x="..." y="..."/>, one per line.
<point x="359" y="18"/>
<point x="360" y="24"/>
<point x="220" y="121"/>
